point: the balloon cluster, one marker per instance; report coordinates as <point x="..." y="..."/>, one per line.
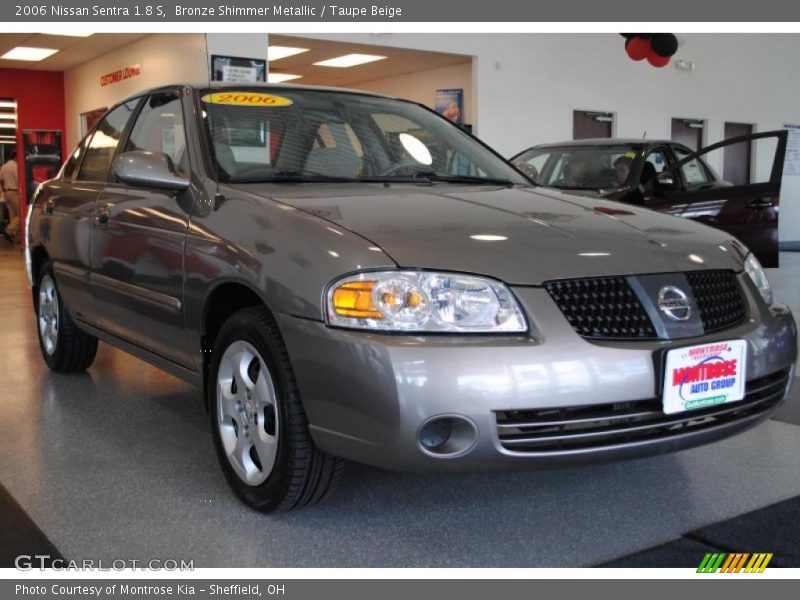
<point x="657" y="48"/>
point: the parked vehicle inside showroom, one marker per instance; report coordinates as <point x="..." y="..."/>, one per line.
<point x="351" y="276"/>
<point x="668" y="177"/>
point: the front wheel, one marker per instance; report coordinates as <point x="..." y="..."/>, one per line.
<point x="65" y="348"/>
<point x="259" y="427"/>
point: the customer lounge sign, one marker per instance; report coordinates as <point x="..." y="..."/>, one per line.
<point x="120" y="75"/>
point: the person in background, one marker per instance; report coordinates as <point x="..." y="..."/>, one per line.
<point x="9" y="180"/>
<point x="623" y="168"/>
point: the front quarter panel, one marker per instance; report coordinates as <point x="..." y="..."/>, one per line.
<point x="285" y="255"/>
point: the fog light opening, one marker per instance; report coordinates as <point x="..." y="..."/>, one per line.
<point x="447" y="436"/>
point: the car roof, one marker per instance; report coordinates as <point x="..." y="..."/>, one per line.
<point x="277" y="87"/>
<point x="637" y="142"/>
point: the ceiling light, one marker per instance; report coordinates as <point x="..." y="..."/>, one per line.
<point x="8" y="116"/>
<point x="27" y="53"/>
<point x="489" y="238"/>
<point x="349" y="60"/>
<point x="279" y="52"/>
<point x="7" y="104"/>
<point x="8" y="125"/>
<point x="66" y="32"/>
<point x="281" y="77"/>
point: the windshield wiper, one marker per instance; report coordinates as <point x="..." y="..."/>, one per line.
<point x="298" y="177"/>
<point x="432" y="176"/>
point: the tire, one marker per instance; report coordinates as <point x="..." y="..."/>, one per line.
<point x="259" y="427"/>
<point x="65" y="348"/>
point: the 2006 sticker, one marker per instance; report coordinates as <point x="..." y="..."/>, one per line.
<point x="246" y="99"/>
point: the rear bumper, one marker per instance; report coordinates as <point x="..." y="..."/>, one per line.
<point x="367" y="395"/>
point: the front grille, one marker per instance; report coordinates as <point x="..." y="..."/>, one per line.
<point x="602" y="308"/>
<point x="718" y="298"/>
<point x="607" y="425"/>
<point x="608" y="308"/>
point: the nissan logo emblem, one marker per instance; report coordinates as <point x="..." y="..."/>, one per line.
<point x="674" y="303"/>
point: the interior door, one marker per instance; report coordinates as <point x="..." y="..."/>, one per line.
<point x="748" y="211"/>
<point x="139" y="235"/>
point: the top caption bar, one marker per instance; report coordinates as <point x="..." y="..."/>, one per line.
<point x="465" y="11"/>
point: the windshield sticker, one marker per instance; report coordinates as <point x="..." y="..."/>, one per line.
<point x="246" y="99"/>
<point x="629" y="154"/>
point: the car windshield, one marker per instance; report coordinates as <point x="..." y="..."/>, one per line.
<point x="579" y="167"/>
<point x="296" y="135"/>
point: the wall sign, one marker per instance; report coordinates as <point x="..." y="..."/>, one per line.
<point x="450" y="104"/>
<point x="120" y="75"/>
<point x="791" y="164"/>
<point x="235" y="69"/>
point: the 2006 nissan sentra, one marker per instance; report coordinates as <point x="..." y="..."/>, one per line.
<point x="352" y="276"/>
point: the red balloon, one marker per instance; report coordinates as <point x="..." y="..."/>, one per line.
<point x="638" y="48"/>
<point x="657" y="60"/>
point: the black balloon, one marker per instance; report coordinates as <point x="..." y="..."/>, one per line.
<point x="628" y="36"/>
<point x="664" y="44"/>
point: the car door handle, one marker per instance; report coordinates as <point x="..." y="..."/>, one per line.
<point x="759" y="203"/>
<point x="102" y="216"/>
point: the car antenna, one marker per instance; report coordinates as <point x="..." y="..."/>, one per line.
<point x="644" y="135"/>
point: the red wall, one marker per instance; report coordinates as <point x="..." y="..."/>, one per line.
<point x="40" y="105"/>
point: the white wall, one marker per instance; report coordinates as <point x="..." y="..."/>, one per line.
<point x="421" y="86"/>
<point x="164" y="58"/>
<point x="527" y="86"/>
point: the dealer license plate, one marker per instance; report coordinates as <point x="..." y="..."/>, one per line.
<point x="702" y="376"/>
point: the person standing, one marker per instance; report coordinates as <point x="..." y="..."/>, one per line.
<point x="9" y="180"/>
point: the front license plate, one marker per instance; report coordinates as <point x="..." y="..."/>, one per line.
<point x="701" y="376"/>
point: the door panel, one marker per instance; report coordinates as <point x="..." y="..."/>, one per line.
<point x="69" y="211"/>
<point x="750" y="211"/>
<point x="139" y="236"/>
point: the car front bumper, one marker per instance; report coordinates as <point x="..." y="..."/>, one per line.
<point x="367" y="395"/>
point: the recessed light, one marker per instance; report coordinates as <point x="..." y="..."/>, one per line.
<point x="349" y="60"/>
<point x="66" y="32"/>
<point x="279" y="52"/>
<point x="488" y="238"/>
<point x="281" y="77"/>
<point x="27" y="53"/>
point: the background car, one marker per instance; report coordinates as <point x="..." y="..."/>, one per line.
<point x="668" y="177"/>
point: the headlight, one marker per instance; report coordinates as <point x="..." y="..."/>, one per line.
<point x="420" y="301"/>
<point x="759" y="277"/>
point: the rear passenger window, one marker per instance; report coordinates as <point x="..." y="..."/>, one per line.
<point x="103" y="143"/>
<point x="159" y="128"/>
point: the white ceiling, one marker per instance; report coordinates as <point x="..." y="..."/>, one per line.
<point x="72" y="51"/>
<point x="398" y="62"/>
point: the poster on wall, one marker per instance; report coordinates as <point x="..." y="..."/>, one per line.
<point x="791" y="164"/>
<point x="234" y="69"/>
<point x="450" y="104"/>
<point x="42" y="150"/>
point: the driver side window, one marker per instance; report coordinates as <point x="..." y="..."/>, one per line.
<point x="159" y="128"/>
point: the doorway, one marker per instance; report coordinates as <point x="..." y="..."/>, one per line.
<point x="589" y="124"/>
<point x="737" y="158"/>
<point x="688" y="132"/>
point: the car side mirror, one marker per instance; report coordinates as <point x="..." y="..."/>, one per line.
<point x="148" y="169"/>
<point x="665" y="180"/>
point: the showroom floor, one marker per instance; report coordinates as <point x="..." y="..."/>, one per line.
<point x="118" y="463"/>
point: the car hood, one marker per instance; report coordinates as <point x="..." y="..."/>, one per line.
<point x="534" y="234"/>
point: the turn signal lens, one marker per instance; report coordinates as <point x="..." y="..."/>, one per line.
<point x="354" y="299"/>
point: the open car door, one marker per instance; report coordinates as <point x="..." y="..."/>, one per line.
<point x="749" y="211"/>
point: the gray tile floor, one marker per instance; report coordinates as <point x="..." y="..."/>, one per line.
<point x="118" y="463"/>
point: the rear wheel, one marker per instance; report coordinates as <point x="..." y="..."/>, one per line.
<point x="65" y="348"/>
<point x="259" y="427"/>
